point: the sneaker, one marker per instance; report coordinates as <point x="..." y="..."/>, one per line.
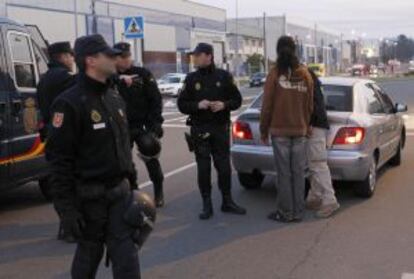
<point x="327" y="211"/>
<point x="313" y="204"/>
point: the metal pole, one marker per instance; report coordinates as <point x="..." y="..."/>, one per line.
<point x="94" y="23"/>
<point x="75" y="7"/>
<point x="237" y="40"/>
<point x="265" y="43"/>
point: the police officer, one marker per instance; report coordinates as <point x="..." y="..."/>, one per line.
<point x="57" y="79"/>
<point x="91" y="164"/>
<point x="144" y="113"/>
<point x="208" y="96"/>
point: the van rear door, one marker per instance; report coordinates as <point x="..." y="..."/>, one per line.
<point x="4" y="117"/>
<point x="27" y="151"/>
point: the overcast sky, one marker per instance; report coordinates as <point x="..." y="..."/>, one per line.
<point x="376" y="18"/>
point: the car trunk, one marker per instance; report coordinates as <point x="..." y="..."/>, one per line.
<point x="336" y="120"/>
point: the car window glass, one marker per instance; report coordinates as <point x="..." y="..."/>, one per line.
<point x="385" y="99"/>
<point x="338" y="97"/>
<point x="41" y="62"/>
<point x="23" y="64"/>
<point x="374" y="104"/>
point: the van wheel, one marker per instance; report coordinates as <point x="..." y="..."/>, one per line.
<point x="366" y="188"/>
<point x="396" y="160"/>
<point x="251" y="181"/>
<point x="45" y="188"/>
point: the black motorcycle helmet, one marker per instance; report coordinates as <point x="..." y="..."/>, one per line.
<point x="149" y="146"/>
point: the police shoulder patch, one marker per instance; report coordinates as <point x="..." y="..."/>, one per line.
<point x="57" y="121"/>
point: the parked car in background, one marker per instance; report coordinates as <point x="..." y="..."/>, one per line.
<point x="367" y="131"/>
<point x="171" y="84"/>
<point x="22" y="61"/>
<point x="411" y="67"/>
<point x="257" y="79"/>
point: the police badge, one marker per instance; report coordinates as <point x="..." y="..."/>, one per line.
<point x="198" y="86"/>
<point x="95" y="116"/>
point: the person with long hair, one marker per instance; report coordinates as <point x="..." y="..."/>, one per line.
<point x="285" y="118"/>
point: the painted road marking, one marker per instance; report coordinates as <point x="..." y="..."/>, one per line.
<point x="176" y="119"/>
<point x="174" y="126"/>
<point x="407" y="276"/>
<point x="171" y="173"/>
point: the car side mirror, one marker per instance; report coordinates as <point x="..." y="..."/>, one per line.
<point x="400" y="108"/>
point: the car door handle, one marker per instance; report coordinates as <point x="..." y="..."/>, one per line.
<point x="17" y="107"/>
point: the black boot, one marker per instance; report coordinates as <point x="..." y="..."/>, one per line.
<point x="229" y="206"/>
<point x="207" y="212"/>
<point x="158" y="196"/>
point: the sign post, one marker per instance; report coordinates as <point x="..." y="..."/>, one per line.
<point x="134" y="29"/>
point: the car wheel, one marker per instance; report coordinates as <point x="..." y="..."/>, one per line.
<point x="251" y="180"/>
<point x="396" y="160"/>
<point x="45" y="188"/>
<point x="366" y="188"/>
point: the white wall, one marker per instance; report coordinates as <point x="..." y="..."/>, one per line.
<point x="55" y="26"/>
<point x="160" y="38"/>
<point x="180" y="7"/>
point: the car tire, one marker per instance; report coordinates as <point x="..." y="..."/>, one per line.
<point x="251" y="181"/>
<point x="396" y="160"/>
<point x="45" y="188"/>
<point x="366" y="188"/>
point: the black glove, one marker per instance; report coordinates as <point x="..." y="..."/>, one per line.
<point x="73" y="223"/>
<point x="157" y="130"/>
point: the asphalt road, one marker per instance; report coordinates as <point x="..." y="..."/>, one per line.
<point x="367" y="239"/>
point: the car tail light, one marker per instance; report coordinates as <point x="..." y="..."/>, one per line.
<point x="349" y="135"/>
<point x="241" y="130"/>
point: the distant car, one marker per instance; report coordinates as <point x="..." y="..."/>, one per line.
<point x="171" y="84"/>
<point x="257" y="79"/>
<point x="411" y="67"/>
<point x="367" y="131"/>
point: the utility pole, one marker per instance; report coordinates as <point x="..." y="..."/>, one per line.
<point x="94" y="22"/>
<point x="236" y="61"/>
<point x="75" y="8"/>
<point x="266" y="65"/>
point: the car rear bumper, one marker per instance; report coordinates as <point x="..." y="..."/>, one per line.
<point x="344" y="165"/>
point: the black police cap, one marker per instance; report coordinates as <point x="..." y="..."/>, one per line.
<point x="59" y="47"/>
<point x="203" y="48"/>
<point x="124" y="47"/>
<point x="93" y="44"/>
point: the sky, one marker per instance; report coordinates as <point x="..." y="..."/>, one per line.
<point x="362" y="18"/>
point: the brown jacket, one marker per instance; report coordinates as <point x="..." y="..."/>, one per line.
<point x="287" y="104"/>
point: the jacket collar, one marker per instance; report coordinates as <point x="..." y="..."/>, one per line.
<point x="93" y="85"/>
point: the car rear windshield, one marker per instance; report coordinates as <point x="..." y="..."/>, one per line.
<point x="338" y="98"/>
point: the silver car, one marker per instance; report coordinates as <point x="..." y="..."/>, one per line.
<point x="367" y="131"/>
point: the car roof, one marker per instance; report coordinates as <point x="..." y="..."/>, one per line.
<point x="5" y="20"/>
<point x="343" y="81"/>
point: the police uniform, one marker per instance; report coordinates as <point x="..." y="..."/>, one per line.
<point x="56" y="80"/>
<point x="144" y="111"/>
<point x="210" y="131"/>
<point x="90" y="169"/>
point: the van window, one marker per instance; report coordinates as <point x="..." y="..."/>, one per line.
<point x="23" y="63"/>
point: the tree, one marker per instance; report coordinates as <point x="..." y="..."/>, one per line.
<point x="255" y="62"/>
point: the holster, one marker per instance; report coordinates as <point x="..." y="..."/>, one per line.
<point x="190" y="141"/>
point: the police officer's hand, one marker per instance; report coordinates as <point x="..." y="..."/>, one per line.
<point x="129" y="80"/>
<point x="217" y="106"/>
<point x="204" y="105"/>
<point x="73" y="223"/>
<point x="157" y="130"/>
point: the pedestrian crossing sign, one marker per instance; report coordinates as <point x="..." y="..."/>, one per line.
<point x="134" y="27"/>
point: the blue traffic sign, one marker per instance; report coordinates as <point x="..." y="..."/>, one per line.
<point x="134" y="27"/>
